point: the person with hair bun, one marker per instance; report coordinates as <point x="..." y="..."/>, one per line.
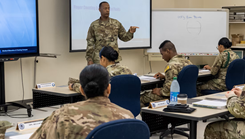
<point x="107" y="59"/>
<point x="77" y="120"/>
<point x="108" y="56"/>
<point x="220" y="66"/>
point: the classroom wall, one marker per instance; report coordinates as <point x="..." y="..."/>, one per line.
<point x="54" y="38"/>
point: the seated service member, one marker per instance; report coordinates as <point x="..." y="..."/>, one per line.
<point x="232" y="129"/>
<point x="174" y="66"/>
<point x="219" y="67"/>
<point x="107" y="59"/>
<point x="75" y="121"/>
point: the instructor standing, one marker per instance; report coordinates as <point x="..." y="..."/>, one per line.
<point x="105" y="32"/>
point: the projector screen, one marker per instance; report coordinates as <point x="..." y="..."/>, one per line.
<point x="194" y="32"/>
<point x="18" y="28"/>
<point x="128" y="12"/>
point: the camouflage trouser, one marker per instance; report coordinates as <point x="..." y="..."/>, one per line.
<point x="149" y="97"/>
<point x="210" y="85"/>
<point x="232" y="129"/>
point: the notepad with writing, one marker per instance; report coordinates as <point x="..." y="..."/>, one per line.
<point x="213" y="104"/>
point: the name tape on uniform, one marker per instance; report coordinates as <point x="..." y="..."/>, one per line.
<point x="45" y="85"/>
<point x="158" y="104"/>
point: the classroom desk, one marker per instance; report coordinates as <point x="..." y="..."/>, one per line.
<point x="199" y="115"/>
<point x="62" y="95"/>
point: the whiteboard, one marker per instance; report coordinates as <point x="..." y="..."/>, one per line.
<point x="192" y="31"/>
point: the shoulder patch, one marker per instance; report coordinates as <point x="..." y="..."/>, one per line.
<point x="166" y="69"/>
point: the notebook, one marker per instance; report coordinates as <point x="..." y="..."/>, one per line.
<point x="213" y="104"/>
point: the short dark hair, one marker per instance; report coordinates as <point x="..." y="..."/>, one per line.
<point x="225" y="42"/>
<point x="167" y="45"/>
<point x="102" y="3"/>
<point x="109" y="53"/>
<point x="94" y="80"/>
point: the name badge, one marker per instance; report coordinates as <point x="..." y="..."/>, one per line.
<point x="21" y="126"/>
<point x="45" y="85"/>
<point x="158" y="104"/>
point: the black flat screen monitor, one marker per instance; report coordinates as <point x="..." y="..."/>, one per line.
<point x="18" y="28"/>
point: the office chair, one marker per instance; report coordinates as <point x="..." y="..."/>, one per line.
<point x="125" y="92"/>
<point x="187" y="80"/>
<point x="235" y="75"/>
<point x="121" y="129"/>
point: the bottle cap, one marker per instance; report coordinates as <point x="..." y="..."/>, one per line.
<point x="175" y="78"/>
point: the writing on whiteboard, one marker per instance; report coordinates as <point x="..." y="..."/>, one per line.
<point x="189" y="17"/>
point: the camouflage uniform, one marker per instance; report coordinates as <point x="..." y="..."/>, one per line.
<point x="219" y="69"/>
<point x="4" y="125"/>
<point x="105" y="34"/>
<point x="75" y="121"/>
<point x="172" y="70"/>
<point x="232" y="129"/>
<point x="114" y="69"/>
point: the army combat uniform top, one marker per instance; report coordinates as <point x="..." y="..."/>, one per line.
<point x="101" y="34"/>
<point x="114" y="70"/>
<point x="75" y="121"/>
<point x="232" y="129"/>
<point x="172" y="70"/>
<point x="219" y="69"/>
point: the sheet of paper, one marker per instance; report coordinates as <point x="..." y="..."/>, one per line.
<point x="25" y="136"/>
<point x="239" y="86"/>
<point x="153" y="74"/>
<point x="203" y="71"/>
<point x="148" y="78"/>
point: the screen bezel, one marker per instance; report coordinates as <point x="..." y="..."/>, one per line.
<point x="37" y="34"/>
<point x="84" y="50"/>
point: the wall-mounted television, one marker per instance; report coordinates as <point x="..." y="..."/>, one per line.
<point x="19" y="28"/>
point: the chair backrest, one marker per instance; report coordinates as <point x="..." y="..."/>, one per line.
<point x="121" y="129"/>
<point x="125" y="92"/>
<point x="187" y="80"/>
<point x="235" y="73"/>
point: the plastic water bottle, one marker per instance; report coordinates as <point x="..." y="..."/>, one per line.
<point x="174" y="91"/>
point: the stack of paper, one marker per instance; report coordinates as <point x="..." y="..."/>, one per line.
<point x="148" y="78"/>
<point x="203" y="71"/>
<point x="213" y="104"/>
<point x="153" y="74"/>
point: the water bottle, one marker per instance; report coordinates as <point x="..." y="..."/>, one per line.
<point x="174" y="91"/>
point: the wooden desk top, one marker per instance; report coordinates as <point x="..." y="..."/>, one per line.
<point x="199" y="114"/>
<point x="62" y="91"/>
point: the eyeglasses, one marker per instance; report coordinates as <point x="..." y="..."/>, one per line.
<point x="217" y="48"/>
